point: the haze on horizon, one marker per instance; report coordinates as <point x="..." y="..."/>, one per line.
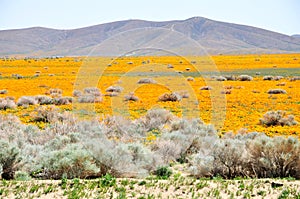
<point x="275" y="15"/>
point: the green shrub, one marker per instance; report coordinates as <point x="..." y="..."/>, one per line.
<point x="163" y="172"/>
<point x="146" y="81"/>
<point x="276" y="91"/>
<point x="229" y="156"/>
<point x="107" y="181"/>
<point x="131" y="97"/>
<point x="72" y="161"/>
<point x="277" y="118"/>
<point x="201" y="166"/>
<point x="62" y="100"/>
<point x="115" y="89"/>
<point x="170" y="97"/>
<point x="274" y="157"/>
<point x="7" y="104"/>
<point x="44" y="100"/>
<point x="26" y="100"/>
<point x="250" y="155"/>
<point x="111" y="157"/>
<point x="245" y="78"/>
<point x="268" y="77"/>
<point x="4" y="91"/>
<point x="22" y="176"/>
<point x="9" y="160"/>
<point x="156" y="119"/>
<point x="46" y="114"/>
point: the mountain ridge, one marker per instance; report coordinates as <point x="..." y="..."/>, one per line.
<point x="214" y="36"/>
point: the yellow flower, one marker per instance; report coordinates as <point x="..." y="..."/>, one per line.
<point x="246" y="103"/>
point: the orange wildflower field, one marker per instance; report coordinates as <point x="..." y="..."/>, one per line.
<point x="245" y="101"/>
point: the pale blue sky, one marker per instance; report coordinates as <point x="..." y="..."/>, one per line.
<point x="277" y="15"/>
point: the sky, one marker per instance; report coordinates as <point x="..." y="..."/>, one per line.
<point x="277" y="15"/>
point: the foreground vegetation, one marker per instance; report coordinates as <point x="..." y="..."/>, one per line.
<point x="70" y="148"/>
<point x="177" y="186"/>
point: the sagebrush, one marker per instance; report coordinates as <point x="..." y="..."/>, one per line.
<point x="73" y="148"/>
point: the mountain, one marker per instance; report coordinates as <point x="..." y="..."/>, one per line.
<point x="296" y="36"/>
<point x="214" y="36"/>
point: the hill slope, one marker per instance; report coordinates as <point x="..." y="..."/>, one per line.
<point x="216" y="37"/>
